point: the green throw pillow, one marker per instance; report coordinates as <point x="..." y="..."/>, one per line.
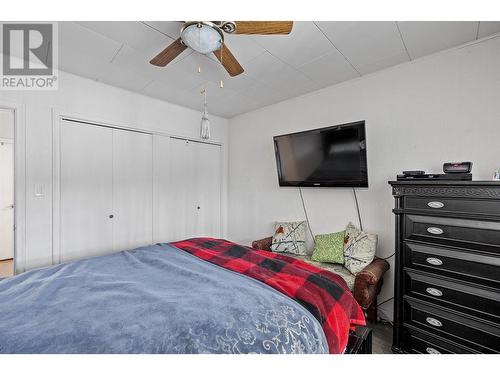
<point x="329" y="248"/>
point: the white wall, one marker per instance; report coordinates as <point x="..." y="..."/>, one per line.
<point x="93" y="101"/>
<point x="444" y="107"/>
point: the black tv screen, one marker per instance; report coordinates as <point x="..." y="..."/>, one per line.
<point x="328" y="157"/>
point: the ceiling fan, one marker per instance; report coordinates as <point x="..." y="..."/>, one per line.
<point x="208" y="37"/>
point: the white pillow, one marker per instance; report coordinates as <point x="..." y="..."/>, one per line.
<point x="289" y="237"/>
<point x="359" y="248"/>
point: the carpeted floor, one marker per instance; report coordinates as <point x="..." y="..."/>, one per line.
<point x="382" y="338"/>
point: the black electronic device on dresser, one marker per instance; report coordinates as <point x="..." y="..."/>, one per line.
<point x="447" y="282"/>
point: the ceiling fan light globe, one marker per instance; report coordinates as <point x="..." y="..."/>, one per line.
<point x="202" y="38"/>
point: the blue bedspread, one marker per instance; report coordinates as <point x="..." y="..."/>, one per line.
<point x="156" y="299"/>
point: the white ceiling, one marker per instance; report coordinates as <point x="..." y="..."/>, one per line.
<point x="313" y="56"/>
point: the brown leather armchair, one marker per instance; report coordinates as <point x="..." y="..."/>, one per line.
<point x="367" y="283"/>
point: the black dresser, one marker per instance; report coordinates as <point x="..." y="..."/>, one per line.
<point x="447" y="282"/>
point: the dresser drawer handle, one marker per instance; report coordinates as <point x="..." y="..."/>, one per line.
<point x="435" y="230"/>
<point x="434" y="292"/>
<point x="434" y="322"/>
<point x="434" y="261"/>
<point x="435" y="204"/>
<point x="432" y="350"/>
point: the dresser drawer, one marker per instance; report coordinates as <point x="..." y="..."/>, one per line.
<point x="478" y="235"/>
<point x="453" y="205"/>
<point x="454" y="326"/>
<point x="467" y="297"/>
<point x="458" y="263"/>
<point x="416" y="341"/>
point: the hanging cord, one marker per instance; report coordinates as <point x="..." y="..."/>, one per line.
<point x="389" y="257"/>
<point x="382" y="303"/>
<point x="387" y="300"/>
<point x="307" y="218"/>
<point x="357" y="208"/>
<point x="359" y="219"/>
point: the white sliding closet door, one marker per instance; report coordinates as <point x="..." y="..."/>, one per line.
<point x="85" y="190"/>
<point x="208" y="186"/>
<point x="106" y="190"/>
<point x="182" y="189"/>
<point x="162" y="209"/>
<point x="194" y="189"/>
<point x="132" y="189"/>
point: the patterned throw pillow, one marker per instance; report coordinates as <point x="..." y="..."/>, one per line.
<point x="359" y="248"/>
<point x="329" y="248"/>
<point x="290" y="238"/>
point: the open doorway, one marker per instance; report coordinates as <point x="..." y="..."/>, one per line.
<point x="6" y="193"/>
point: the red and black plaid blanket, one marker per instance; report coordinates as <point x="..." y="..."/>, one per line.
<point x="323" y="293"/>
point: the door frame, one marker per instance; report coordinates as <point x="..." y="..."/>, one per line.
<point x="11" y="142"/>
<point x="19" y="112"/>
<point x="59" y="115"/>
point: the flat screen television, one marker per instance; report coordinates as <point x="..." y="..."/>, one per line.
<point x="334" y="156"/>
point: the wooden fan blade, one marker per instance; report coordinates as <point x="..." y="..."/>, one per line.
<point x="229" y="62"/>
<point x="263" y="27"/>
<point x="169" y="53"/>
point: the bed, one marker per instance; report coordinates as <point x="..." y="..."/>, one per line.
<point x="201" y="295"/>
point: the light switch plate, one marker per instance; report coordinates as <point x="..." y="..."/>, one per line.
<point x="39" y="190"/>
